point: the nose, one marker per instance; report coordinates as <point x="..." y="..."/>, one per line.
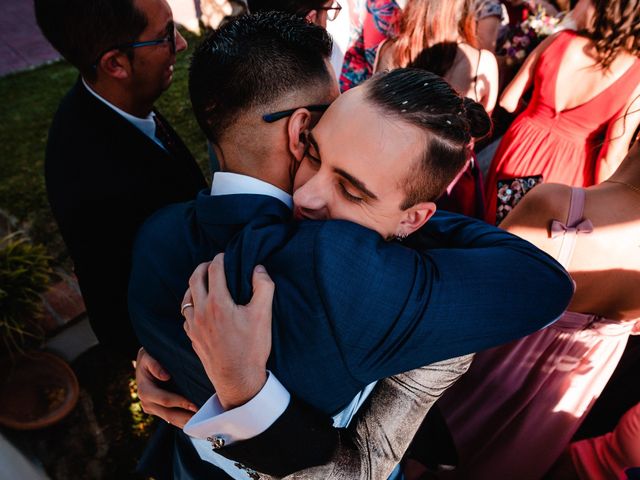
<point x="181" y="42"/>
<point x="310" y="199"/>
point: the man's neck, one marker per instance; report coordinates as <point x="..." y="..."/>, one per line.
<point x="236" y="160"/>
<point x="121" y="98"/>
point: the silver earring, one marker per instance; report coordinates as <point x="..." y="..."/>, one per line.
<point x="401" y="236"/>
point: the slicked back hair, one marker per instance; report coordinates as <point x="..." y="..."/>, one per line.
<point x="255" y="60"/>
<point x="82" y="29"/>
<point x="449" y="121"/>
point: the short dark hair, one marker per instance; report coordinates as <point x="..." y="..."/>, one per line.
<point x="82" y="29"/>
<point x="450" y="121"/>
<point x="254" y="60"/>
<point x="296" y="7"/>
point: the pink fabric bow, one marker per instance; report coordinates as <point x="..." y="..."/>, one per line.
<point x="559" y="228"/>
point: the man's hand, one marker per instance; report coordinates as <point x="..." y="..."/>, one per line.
<point x="169" y="406"/>
<point x="233" y="342"/>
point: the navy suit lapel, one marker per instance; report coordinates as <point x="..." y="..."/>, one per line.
<point x="142" y="157"/>
<point x="123" y="131"/>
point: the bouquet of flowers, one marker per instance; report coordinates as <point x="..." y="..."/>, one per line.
<point x="517" y="42"/>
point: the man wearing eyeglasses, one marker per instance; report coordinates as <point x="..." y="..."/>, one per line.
<point x="315" y="11"/>
<point x="111" y="158"/>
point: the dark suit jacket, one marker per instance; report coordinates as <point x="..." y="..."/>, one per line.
<point x="104" y="178"/>
<point x="349" y="307"/>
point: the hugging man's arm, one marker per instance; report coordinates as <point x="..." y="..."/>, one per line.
<point x="380" y="308"/>
<point x="370" y="448"/>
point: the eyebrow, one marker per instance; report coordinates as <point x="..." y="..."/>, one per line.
<point x="356" y="183"/>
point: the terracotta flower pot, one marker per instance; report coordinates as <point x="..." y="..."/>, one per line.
<point x="37" y="389"/>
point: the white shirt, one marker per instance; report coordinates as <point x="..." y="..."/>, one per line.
<point x="257" y="415"/>
<point x="146" y="125"/>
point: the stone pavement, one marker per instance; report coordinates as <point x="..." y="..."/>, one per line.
<point x="21" y="43"/>
<point x="22" y="46"/>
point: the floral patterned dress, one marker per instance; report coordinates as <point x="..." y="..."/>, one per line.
<point x="377" y="25"/>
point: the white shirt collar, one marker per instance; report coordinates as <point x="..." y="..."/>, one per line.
<point x="147" y="125"/>
<point x="227" y="183"/>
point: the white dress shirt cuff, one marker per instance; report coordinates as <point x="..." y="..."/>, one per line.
<point x="244" y="422"/>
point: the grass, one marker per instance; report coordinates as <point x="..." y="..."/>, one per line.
<point x="28" y="101"/>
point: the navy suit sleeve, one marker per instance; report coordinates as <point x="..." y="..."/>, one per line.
<point x="394" y="309"/>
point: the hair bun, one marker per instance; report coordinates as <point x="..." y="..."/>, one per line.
<point x="477" y="118"/>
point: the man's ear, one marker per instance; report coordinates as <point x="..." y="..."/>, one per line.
<point x="311" y="16"/>
<point x="299" y="123"/>
<point x="415" y="217"/>
<point x="116" y="64"/>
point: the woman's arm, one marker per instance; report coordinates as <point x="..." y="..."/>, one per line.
<point x="384" y="57"/>
<point x="530" y="219"/>
<point x="619" y="136"/>
<point x="487" y="32"/>
<point x="488" y="74"/>
<point x="523" y="80"/>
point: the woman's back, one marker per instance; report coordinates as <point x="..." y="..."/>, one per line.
<point x="579" y="122"/>
<point x="605" y="263"/>
<point x="437" y="35"/>
<point x="573" y="92"/>
<point x="473" y="72"/>
<point x="579" y="61"/>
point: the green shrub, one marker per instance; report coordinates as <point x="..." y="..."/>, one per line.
<point x="25" y="273"/>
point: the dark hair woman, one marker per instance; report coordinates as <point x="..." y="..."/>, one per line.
<point x="586" y="87"/>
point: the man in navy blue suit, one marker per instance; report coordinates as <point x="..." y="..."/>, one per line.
<point x="350" y="307"/>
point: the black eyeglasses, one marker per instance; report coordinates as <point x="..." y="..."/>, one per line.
<point x="333" y="11"/>
<point x="274" y="117"/>
<point x="169" y="38"/>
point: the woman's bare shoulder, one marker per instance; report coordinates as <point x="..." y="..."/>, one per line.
<point x="384" y="56"/>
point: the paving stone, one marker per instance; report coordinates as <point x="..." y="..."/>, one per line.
<point x="16" y="465"/>
<point x="63" y="302"/>
<point x="48" y="321"/>
<point x="73" y="340"/>
<point x="10" y="60"/>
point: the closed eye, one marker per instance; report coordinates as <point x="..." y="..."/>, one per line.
<point x="349" y="196"/>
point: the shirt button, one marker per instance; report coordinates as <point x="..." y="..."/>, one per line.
<point x="216" y="441"/>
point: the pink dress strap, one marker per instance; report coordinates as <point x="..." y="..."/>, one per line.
<point x="574" y="225"/>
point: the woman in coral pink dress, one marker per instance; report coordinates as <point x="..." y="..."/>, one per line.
<point x="584" y="109"/>
<point x="515" y="411"/>
<point x="611" y="456"/>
